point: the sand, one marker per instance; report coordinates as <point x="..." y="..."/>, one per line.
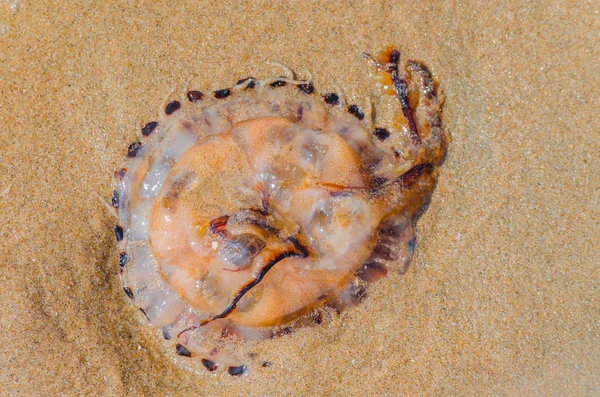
<point x="503" y="296"/>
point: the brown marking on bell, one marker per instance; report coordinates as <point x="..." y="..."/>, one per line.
<point x="356" y="111"/>
<point x="195" y="96"/>
<point x="331" y="98"/>
<point x="172" y="107"/>
<point x="149" y="128"/>
<point x="307" y="88"/>
<point x="222" y="93"/>
<point x="381" y="133"/>
<point x="182" y="350"/>
<point x="209" y="364"/>
<point x="118" y="232"/>
<point x="237" y="370"/>
<point x="278" y="83"/>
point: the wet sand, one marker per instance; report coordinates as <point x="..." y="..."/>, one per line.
<point x="503" y="295"/>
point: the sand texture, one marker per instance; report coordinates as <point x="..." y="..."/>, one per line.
<point x="503" y="296"/>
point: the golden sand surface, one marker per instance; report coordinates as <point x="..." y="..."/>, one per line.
<point x="503" y="297"/>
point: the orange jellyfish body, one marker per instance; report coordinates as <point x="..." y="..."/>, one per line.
<point x="249" y="212"/>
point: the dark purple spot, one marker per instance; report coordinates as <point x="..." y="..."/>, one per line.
<point x="195" y="96"/>
<point x="356" y="112"/>
<point x="118" y="232"/>
<point x="166" y="334"/>
<point x="278" y="83"/>
<point x="209" y="365"/>
<point x="381" y="133"/>
<point x="123" y="259"/>
<point x="220" y="94"/>
<point x="128" y="292"/>
<point x="148" y="128"/>
<point x="133" y="149"/>
<point x="331" y="98"/>
<point x="172" y="107"/>
<point x="266" y="364"/>
<point x="182" y="350"/>
<point x="114" y="200"/>
<point x="394" y="56"/>
<point x="307" y="88"/>
<point x="237" y="371"/>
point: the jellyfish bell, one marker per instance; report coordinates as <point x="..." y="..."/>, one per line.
<point x="244" y="213"/>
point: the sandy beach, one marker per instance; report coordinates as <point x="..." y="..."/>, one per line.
<point x="503" y="295"/>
